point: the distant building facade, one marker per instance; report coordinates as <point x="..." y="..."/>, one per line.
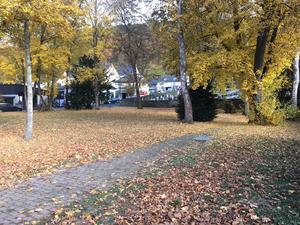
<point x="12" y="93"/>
<point x="165" y="84"/>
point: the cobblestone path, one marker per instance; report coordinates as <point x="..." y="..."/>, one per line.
<point x="38" y="197"/>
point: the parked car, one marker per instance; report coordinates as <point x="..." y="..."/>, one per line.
<point x="7" y="107"/>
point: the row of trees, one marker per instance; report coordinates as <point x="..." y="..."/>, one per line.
<point x="239" y="43"/>
<point x="35" y="38"/>
<point x="41" y="41"/>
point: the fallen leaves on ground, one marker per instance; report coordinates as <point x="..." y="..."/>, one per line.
<point x="246" y="175"/>
<point x="69" y="138"/>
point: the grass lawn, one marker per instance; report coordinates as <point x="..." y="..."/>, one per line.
<point x="247" y="175"/>
<point x="69" y="138"/>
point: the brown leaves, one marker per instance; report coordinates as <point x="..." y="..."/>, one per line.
<point x="70" y="138"/>
<point x="231" y="180"/>
<point x="226" y="186"/>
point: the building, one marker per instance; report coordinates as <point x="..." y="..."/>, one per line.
<point x="165" y="84"/>
<point x="12" y="93"/>
<point x="123" y="83"/>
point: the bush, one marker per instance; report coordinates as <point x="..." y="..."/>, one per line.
<point x="82" y="95"/>
<point x="229" y="107"/>
<point x="271" y="111"/>
<point x="291" y="112"/>
<point x="203" y="102"/>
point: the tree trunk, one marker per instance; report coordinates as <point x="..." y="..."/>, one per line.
<point x="237" y="23"/>
<point x="97" y="105"/>
<point x="39" y="67"/>
<point x="296" y="81"/>
<point x="24" y="87"/>
<point x="51" y="96"/>
<point x="270" y="51"/>
<point x="137" y="88"/>
<point x="39" y="89"/>
<point x="66" y="94"/>
<point x="29" y="114"/>
<point x="259" y="59"/>
<point x="247" y="107"/>
<point x="40" y="94"/>
<point x="188" y="110"/>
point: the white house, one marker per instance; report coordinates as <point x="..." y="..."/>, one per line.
<point x="123" y="83"/>
<point x="165" y="84"/>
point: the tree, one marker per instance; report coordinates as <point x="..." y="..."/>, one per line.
<point x="27" y="14"/>
<point x="81" y="95"/>
<point x="133" y="39"/>
<point x="295" y="80"/>
<point x="90" y="69"/>
<point x="239" y="44"/>
<point x="98" y="36"/>
<point x="29" y="115"/>
<point x="188" y="115"/>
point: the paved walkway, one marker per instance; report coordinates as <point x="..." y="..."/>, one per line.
<point x="40" y="196"/>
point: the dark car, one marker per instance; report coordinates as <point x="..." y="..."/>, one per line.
<point x="7" y="107"/>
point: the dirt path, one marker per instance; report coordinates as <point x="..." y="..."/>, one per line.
<point x="40" y="196"/>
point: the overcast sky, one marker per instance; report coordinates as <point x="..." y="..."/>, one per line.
<point x="148" y="8"/>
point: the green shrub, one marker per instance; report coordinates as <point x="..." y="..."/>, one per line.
<point x="203" y="102"/>
<point x="81" y="95"/>
<point x="291" y="112"/>
<point x="271" y="111"/>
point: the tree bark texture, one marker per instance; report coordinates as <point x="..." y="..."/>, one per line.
<point x="29" y="114"/>
<point x="137" y="88"/>
<point x="188" y="110"/>
<point x="96" y="90"/>
<point x="296" y="80"/>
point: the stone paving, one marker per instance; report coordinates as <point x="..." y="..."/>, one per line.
<point x="38" y="197"/>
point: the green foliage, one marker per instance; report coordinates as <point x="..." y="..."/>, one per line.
<point x="271" y="111"/>
<point x="291" y="112"/>
<point x="203" y="102"/>
<point x="82" y="95"/>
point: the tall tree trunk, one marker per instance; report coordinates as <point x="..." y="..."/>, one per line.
<point x="39" y="88"/>
<point x="95" y="44"/>
<point x="39" y="66"/>
<point x="270" y="50"/>
<point x="247" y="106"/>
<point x="137" y="87"/>
<point x="29" y="115"/>
<point x="66" y="94"/>
<point x="296" y="80"/>
<point x="97" y="105"/>
<point x="237" y="23"/>
<point x="259" y="59"/>
<point x="24" y="87"/>
<point x="51" y="96"/>
<point x="188" y="110"/>
<point x="40" y="94"/>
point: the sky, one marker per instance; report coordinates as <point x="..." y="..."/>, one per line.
<point x="148" y="8"/>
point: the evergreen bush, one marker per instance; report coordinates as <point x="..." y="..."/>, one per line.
<point x="203" y="102"/>
<point x="81" y="95"/>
